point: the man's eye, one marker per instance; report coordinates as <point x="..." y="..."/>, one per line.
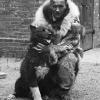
<point x="58" y="6"/>
<point x="61" y="7"/>
<point x="54" y="6"/>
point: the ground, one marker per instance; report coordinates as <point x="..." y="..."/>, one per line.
<point x="87" y="85"/>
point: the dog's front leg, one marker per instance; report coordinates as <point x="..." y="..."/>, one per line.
<point x="36" y="93"/>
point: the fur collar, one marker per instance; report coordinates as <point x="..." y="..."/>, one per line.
<point x="70" y="18"/>
<point x="39" y="17"/>
<point x="74" y="10"/>
<point x="73" y="13"/>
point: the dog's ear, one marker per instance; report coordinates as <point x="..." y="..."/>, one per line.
<point x="32" y="28"/>
<point x="51" y="2"/>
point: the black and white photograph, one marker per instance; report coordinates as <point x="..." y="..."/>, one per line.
<point x="49" y="49"/>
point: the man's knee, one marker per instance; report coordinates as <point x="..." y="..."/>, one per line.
<point x="68" y="69"/>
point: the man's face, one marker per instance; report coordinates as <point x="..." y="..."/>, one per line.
<point x="58" y="7"/>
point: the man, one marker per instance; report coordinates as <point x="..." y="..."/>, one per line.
<point x="53" y="23"/>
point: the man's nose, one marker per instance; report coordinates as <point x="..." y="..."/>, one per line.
<point x="57" y="10"/>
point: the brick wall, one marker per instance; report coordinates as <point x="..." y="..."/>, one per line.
<point x="15" y="18"/>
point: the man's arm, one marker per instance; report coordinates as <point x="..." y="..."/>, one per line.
<point x="71" y="40"/>
<point x="76" y="33"/>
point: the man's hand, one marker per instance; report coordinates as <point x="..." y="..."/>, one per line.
<point x="39" y="47"/>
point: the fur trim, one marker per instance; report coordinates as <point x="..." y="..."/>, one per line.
<point x="74" y="10"/>
<point x="39" y="17"/>
<point x="70" y="18"/>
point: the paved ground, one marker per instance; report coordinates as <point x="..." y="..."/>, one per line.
<point x="87" y="86"/>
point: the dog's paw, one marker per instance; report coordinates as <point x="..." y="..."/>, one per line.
<point x="11" y="97"/>
<point x="45" y="98"/>
<point x="38" y="98"/>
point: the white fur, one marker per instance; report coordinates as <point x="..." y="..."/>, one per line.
<point x="39" y="17"/>
<point x="69" y="18"/>
<point x="36" y="93"/>
<point x="10" y="97"/>
<point x="74" y="10"/>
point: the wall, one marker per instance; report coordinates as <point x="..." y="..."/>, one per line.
<point x="15" y="18"/>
